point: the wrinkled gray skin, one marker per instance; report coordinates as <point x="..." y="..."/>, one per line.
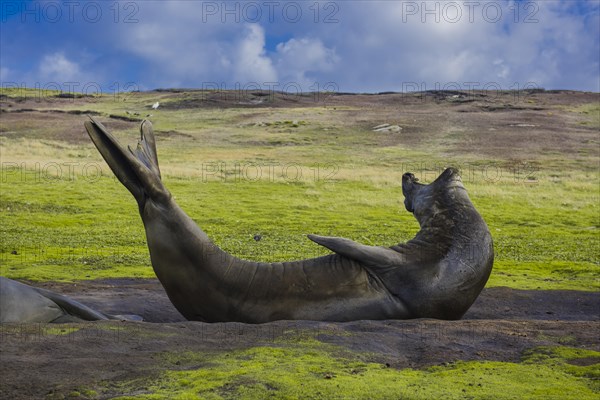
<point x="23" y="303"/>
<point x="438" y="274"/>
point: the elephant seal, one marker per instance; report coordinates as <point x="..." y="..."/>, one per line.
<point x="27" y="304"/>
<point x="24" y="303"/>
<point x="438" y="274"/>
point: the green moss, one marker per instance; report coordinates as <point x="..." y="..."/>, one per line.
<point x="60" y="330"/>
<point x="89" y="393"/>
<point x="574" y="361"/>
<point x="82" y="394"/>
<point x="312" y="370"/>
<point x="38" y="330"/>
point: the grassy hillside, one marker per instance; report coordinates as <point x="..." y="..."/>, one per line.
<point x="282" y="169"/>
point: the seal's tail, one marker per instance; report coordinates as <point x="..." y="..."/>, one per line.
<point x="137" y="169"/>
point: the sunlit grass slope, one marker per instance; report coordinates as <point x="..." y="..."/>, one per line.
<point x="283" y="173"/>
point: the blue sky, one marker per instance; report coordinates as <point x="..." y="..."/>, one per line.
<point x="356" y="46"/>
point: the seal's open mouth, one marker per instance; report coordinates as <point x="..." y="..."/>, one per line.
<point x="449" y="173"/>
<point x="450" y="178"/>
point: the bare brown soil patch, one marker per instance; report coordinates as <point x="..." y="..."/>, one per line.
<point x="56" y="125"/>
<point x="502" y="324"/>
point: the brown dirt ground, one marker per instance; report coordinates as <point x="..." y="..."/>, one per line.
<point x="500" y="326"/>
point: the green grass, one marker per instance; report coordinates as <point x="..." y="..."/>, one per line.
<point x="30" y="93"/>
<point x="70" y="229"/>
<point x="591" y="112"/>
<point x="241" y="172"/>
<point x="314" y="370"/>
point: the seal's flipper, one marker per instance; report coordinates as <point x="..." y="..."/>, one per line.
<point x="146" y="148"/>
<point x="76" y="311"/>
<point x="136" y="169"/>
<point x="72" y="307"/>
<point x="368" y="255"/>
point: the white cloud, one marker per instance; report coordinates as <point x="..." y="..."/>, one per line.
<point x="382" y="48"/>
<point x="57" y="68"/>
<point x="193" y="53"/>
<point x="174" y="48"/>
<point x="374" y="46"/>
<point x="302" y="60"/>
<point x="251" y="63"/>
<point x="502" y="68"/>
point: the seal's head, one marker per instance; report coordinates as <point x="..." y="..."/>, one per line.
<point x="422" y="200"/>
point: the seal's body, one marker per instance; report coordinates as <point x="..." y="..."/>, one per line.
<point x="438" y="274"/>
